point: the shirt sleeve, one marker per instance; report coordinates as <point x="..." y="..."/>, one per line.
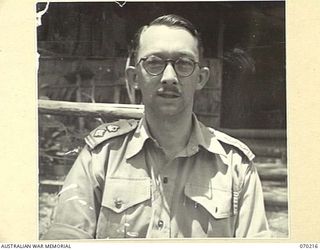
<point x="79" y="202"/>
<point x="252" y="222"/>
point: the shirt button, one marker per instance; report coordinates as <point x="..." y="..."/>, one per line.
<point x="118" y="203"/>
<point x="165" y="180"/>
<point x="160" y="224"/>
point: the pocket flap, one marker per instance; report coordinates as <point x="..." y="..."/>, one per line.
<point x="120" y="193"/>
<point x="217" y="202"/>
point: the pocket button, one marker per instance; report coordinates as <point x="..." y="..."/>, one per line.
<point x="118" y="203"/>
<point x="160" y="224"/>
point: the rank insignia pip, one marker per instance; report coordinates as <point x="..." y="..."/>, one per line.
<point x="107" y="131"/>
<point x="99" y="133"/>
<point x="113" y="128"/>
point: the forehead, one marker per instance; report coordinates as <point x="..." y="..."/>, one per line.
<point x="160" y="39"/>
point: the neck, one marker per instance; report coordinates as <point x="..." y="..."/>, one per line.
<point x="172" y="133"/>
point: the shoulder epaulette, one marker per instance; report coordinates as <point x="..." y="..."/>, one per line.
<point x="234" y="142"/>
<point x="110" y="130"/>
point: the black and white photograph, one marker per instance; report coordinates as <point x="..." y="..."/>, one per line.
<point x="162" y="120"/>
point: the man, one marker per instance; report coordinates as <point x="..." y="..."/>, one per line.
<point x="166" y="175"/>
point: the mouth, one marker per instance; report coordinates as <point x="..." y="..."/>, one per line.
<point x="169" y="94"/>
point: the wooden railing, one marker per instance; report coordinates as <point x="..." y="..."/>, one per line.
<point x="90" y="109"/>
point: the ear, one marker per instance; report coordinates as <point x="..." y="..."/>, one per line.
<point x="131" y="77"/>
<point x="204" y="75"/>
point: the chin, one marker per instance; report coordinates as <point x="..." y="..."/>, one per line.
<point x="169" y="111"/>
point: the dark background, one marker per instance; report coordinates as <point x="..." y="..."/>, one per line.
<point x="251" y="89"/>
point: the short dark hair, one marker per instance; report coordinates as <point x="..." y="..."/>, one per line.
<point x="170" y="20"/>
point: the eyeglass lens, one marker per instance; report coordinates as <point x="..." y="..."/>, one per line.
<point x="155" y="65"/>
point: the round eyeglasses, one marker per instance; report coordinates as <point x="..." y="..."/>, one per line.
<point x="155" y="66"/>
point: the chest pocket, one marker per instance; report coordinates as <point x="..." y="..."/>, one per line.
<point x="219" y="205"/>
<point x="125" y="208"/>
<point x="217" y="202"/>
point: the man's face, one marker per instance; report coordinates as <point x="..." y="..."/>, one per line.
<point x="168" y="93"/>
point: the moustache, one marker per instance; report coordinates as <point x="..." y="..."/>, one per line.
<point x="169" y="90"/>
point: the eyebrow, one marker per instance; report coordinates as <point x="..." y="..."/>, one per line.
<point x="175" y="54"/>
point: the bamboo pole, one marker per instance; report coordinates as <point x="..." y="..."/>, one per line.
<point x="273" y="172"/>
<point x="90" y="109"/>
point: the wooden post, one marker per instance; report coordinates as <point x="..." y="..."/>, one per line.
<point x="79" y="99"/>
<point x="219" y="69"/>
<point x="116" y="94"/>
<point x="93" y="90"/>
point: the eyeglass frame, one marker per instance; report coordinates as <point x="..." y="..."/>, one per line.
<point x="173" y="63"/>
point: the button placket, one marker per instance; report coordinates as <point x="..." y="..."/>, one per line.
<point x="161" y="218"/>
<point x="169" y="174"/>
<point x="162" y="197"/>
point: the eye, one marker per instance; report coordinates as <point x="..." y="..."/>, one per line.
<point x="154" y="64"/>
<point x="184" y="64"/>
<point x="154" y="61"/>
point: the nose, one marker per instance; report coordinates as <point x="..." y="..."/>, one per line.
<point x="169" y="75"/>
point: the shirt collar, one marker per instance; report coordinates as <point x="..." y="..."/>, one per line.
<point x="205" y="137"/>
<point x="200" y="136"/>
<point x="138" y="139"/>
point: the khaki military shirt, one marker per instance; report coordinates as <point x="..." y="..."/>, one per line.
<point x="123" y="186"/>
